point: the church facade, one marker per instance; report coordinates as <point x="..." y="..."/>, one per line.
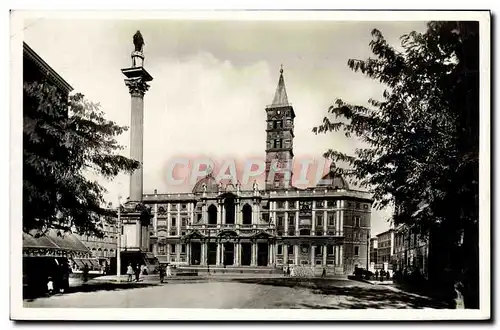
<point x="219" y="224"/>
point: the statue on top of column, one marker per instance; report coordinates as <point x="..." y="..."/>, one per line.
<point x="138" y="41"/>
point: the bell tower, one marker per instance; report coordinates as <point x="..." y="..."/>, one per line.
<point x="279" y="139"/>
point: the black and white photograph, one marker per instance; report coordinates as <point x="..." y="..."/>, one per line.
<point x="300" y="165"/>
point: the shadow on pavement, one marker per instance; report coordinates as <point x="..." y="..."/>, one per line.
<point x="354" y="297"/>
<point x="92" y="287"/>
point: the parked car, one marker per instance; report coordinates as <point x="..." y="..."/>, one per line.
<point x="363" y="273"/>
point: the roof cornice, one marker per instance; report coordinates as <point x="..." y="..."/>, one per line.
<point x="51" y="73"/>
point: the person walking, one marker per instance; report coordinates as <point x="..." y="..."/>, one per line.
<point x="65" y="270"/>
<point x="50" y="285"/>
<point x="323" y="274"/>
<point x="169" y="271"/>
<point x="376" y="275"/>
<point x="137" y="272"/>
<point x="130" y="272"/>
<point x="85" y="272"/>
<point x="162" y="274"/>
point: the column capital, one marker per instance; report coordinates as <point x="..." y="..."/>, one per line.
<point x="137" y="86"/>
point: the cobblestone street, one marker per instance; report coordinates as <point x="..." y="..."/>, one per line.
<point x="338" y="294"/>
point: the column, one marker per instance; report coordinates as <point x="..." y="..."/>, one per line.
<point x="188" y="253"/>
<point x="336" y="254"/>
<point x="138" y="232"/>
<point x="286" y="218"/>
<point x="341" y="218"/>
<point x="337" y="219"/>
<point x="269" y="254"/>
<point x="179" y="222"/>
<point x="191" y="213"/>
<point x="313" y="221"/>
<point x="204" y="219"/>
<point x="273" y="218"/>
<point x="203" y="256"/>
<point x="341" y="257"/>
<point x="297" y="218"/>
<point x="236" y="261"/>
<point x="284" y="249"/>
<point x="325" y="251"/>
<point x="254" y="254"/>
<point x="178" y="252"/>
<point x="155" y="221"/>
<point x="219" y="214"/>
<point x="296" y="254"/>
<point x="217" y="257"/>
<point x="138" y="86"/>
<point x="325" y="223"/>
<point x="167" y="248"/>
<point x="313" y="255"/>
<point x="238" y="214"/>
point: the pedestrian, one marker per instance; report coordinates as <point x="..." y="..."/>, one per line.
<point x="162" y="274"/>
<point x="85" y="272"/>
<point x="169" y="271"/>
<point x="130" y="272"/>
<point x="376" y="275"/>
<point x="50" y="285"/>
<point x="137" y="272"/>
<point x="323" y="274"/>
<point x="388" y="276"/>
<point x="288" y="271"/>
<point x="65" y="270"/>
<point x="292" y="272"/>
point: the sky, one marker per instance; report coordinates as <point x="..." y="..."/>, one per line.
<point x="213" y="80"/>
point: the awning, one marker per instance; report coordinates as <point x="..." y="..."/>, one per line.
<point x="92" y="263"/>
<point x="53" y="239"/>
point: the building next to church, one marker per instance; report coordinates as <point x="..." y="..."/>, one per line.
<point x="373" y="254"/>
<point x="411" y="251"/>
<point x="102" y="249"/>
<point x="385" y="250"/>
<point x="219" y="224"/>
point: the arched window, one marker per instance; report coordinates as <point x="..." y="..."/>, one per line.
<point x="247" y="214"/>
<point x="229" y="207"/>
<point x="99" y="252"/>
<point x="212" y="215"/>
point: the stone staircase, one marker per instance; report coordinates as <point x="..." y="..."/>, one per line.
<point x="229" y="270"/>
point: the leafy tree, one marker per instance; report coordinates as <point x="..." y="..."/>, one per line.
<point x="422" y="139"/>
<point x="63" y="140"/>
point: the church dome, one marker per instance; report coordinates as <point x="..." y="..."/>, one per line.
<point x="210" y="183"/>
<point x="333" y="180"/>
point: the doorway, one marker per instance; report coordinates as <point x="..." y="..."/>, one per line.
<point x="228" y="254"/>
<point x="211" y="253"/>
<point x="262" y="254"/>
<point x="195" y="253"/>
<point x="246" y="254"/>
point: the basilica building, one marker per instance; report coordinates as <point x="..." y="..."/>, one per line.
<point x="221" y="225"/>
